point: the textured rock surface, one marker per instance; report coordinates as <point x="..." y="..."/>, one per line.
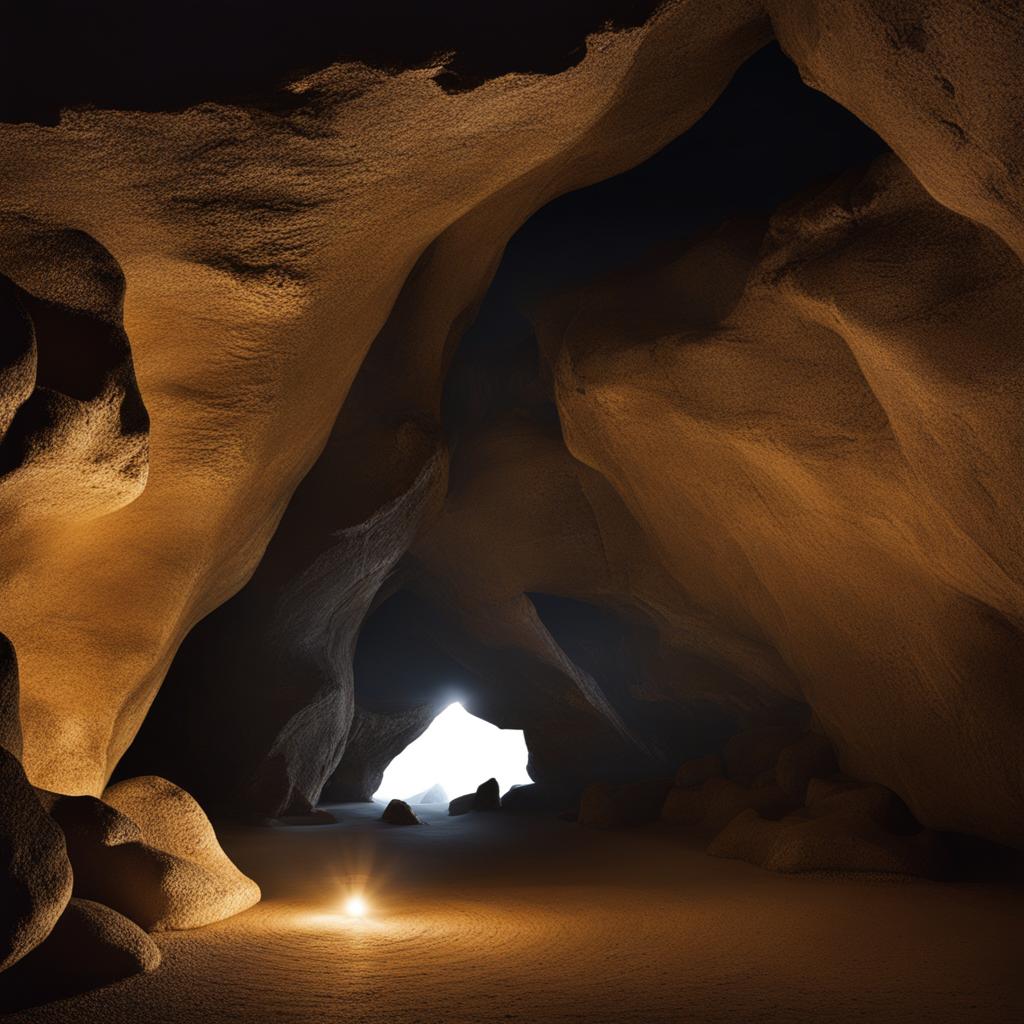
<point x="90" y="946"/>
<point x="763" y="478"/>
<point x="264" y="249"/>
<point x="823" y="385"/>
<point x="148" y="851"/>
<point x="35" y="875"/>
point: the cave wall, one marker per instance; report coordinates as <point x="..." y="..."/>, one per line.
<point x="775" y="463"/>
<point x="264" y="247"/>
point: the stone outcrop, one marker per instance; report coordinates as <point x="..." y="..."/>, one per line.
<point x="35" y="875"/>
<point x="90" y="946"/>
<point x="148" y="851"/>
<point x="821" y="379"/>
<point x="398" y="812"/>
<point x="287" y="462"/>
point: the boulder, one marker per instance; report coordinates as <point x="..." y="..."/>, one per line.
<point x="398" y="812"/>
<point x="148" y="850"/>
<point x="700" y="769"/>
<point x="710" y="807"/>
<point x="881" y="805"/>
<point x="462" y="804"/>
<point x="844" y="841"/>
<point x="607" y="805"/>
<point x="35" y="874"/>
<point x="488" y="796"/>
<point x="90" y="945"/>
<point x="808" y="757"/>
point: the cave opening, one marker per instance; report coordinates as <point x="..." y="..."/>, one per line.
<point x="455" y="753"/>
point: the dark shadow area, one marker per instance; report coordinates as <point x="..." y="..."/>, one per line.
<point x="767" y="138"/>
<point x="152" y="56"/>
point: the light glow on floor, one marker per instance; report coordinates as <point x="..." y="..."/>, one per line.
<point x="459" y="751"/>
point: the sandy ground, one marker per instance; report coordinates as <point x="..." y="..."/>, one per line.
<point x="502" y="918"/>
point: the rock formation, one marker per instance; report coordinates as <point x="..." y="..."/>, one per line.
<point x="303" y="434"/>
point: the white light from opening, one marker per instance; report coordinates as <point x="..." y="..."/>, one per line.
<point x="459" y="751"/>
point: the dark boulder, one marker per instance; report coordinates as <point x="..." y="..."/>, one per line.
<point x="488" y="796"/>
<point x="398" y="812"/>
<point x="462" y="804"/>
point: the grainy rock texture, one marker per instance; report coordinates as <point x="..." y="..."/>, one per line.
<point x="844" y="380"/>
<point x="148" y="851"/>
<point x="287" y="463"/>
<point x="90" y="946"/>
<point x="35" y="875"/>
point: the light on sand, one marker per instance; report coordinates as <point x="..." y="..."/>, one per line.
<point x="355" y="906"/>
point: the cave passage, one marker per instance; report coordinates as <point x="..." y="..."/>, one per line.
<point x="457" y="752"/>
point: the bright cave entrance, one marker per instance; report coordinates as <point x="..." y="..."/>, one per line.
<point x="454" y="755"/>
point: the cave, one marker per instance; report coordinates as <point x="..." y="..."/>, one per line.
<point x="512" y="512"/>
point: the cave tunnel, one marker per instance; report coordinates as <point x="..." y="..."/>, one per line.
<point x="512" y="512"/>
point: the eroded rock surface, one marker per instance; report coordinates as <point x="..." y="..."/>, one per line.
<point x="148" y="851"/>
<point x="768" y="475"/>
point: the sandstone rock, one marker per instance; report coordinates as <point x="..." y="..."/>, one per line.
<point x="398" y="812"/>
<point x="853" y="290"/>
<point x="90" y="946"/>
<point x="487" y="797"/>
<point x="608" y="805"/>
<point x="35" y="875"/>
<point x="881" y="805"/>
<point x="809" y="757"/>
<point x="700" y="769"/>
<point x="842" y="841"/>
<point x="161" y="866"/>
<point x="709" y="807"/>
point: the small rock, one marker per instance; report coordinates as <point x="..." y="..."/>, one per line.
<point x="488" y="796"/>
<point x="462" y="804"/>
<point x="835" y="842"/>
<point x="90" y="946"/>
<point x="398" y="812"/>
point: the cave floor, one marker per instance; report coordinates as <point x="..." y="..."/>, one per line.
<point x="505" y="918"/>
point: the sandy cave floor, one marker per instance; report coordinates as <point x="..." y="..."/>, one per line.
<point x="506" y="918"/>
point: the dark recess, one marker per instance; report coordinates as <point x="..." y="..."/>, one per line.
<point x="132" y="55"/>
